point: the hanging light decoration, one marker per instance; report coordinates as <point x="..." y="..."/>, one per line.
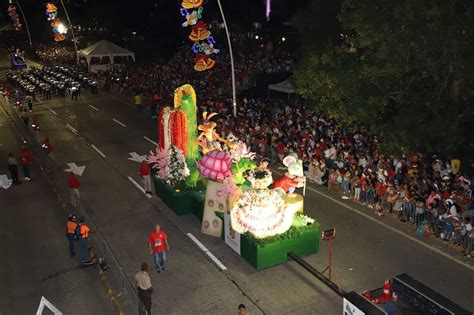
<point x="14" y="17"/>
<point x="203" y="41"/>
<point x="59" y="29"/>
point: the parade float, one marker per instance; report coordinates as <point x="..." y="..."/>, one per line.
<point x="217" y="178"/>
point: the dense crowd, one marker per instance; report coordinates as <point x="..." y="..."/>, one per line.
<point x="54" y="53"/>
<point x="429" y="192"/>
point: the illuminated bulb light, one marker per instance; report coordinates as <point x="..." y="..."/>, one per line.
<point x="62" y="29"/>
<point x="256" y="36"/>
<point x="283" y="39"/>
<point x="261" y="212"/>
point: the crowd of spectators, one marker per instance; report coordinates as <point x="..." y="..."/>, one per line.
<point x="55" y="54"/>
<point x="428" y="192"/>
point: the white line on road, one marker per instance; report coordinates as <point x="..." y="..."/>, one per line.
<point x="71" y="128"/>
<point x="98" y="151"/>
<point x="94" y="108"/>
<point x="434" y="249"/>
<point x="206" y="251"/>
<point x="119" y="122"/>
<point x="149" y="140"/>
<point x="52" y="111"/>
<point x="138" y="186"/>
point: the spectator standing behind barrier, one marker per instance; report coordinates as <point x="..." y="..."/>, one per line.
<point x="144" y="171"/>
<point x="13" y="168"/>
<point x="71" y="233"/>
<point x="82" y="235"/>
<point x="145" y="290"/>
<point x="157" y="243"/>
<point x="25" y="158"/>
<point x="73" y="184"/>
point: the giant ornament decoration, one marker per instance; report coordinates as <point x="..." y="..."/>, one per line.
<point x="200" y="36"/>
<point x="59" y="29"/>
<point x="14" y="17"/>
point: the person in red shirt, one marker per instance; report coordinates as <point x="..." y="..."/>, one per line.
<point x="144" y="172"/>
<point x="73" y="184"/>
<point x="157" y="247"/>
<point x="47" y="145"/>
<point x="25" y="159"/>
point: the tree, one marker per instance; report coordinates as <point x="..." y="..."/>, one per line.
<point x="403" y="71"/>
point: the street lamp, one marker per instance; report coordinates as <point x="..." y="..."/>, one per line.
<point x="24" y="19"/>
<point x="234" y="98"/>
<point x="72" y="31"/>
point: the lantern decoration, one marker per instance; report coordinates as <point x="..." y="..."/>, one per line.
<point x="200" y="36"/>
<point x="215" y="165"/>
<point x="59" y="29"/>
<point x="14" y="17"/>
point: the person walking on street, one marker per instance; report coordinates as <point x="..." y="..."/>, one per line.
<point x="71" y="233"/>
<point x="243" y="310"/>
<point x="144" y="172"/>
<point x="48" y="147"/>
<point x="157" y="244"/>
<point x="30" y="103"/>
<point x="145" y="290"/>
<point x="82" y="235"/>
<point x="13" y="168"/>
<point x="73" y="184"/>
<point x="24" y="116"/>
<point x="25" y="158"/>
<point x="74" y="93"/>
<point x="138" y="101"/>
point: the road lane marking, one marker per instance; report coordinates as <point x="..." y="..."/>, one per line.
<point x="434" y="249"/>
<point x="206" y="251"/>
<point x="98" y="151"/>
<point x="71" y="128"/>
<point x="119" y="122"/>
<point x="52" y="111"/>
<point x="94" y="108"/>
<point x="138" y="186"/>
<point x="149" y="140"/>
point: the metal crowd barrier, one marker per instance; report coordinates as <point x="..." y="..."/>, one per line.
<point x="126" y="298"/>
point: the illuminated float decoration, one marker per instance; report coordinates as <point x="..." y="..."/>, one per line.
<point x="200" y="36"/>
<point x="261" y="211"/>
<point x="235" y="198"/>
<point x="14" y="17"/>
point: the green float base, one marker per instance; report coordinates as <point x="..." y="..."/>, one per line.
<point x="271" y="254"/>
<point x="182" y="202"/>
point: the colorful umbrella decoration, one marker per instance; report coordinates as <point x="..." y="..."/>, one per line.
<point x="59" y="29"/>
<point x="14" y="17"/>
<point x="203" y="41"/>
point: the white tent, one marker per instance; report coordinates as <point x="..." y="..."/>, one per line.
<point x="102" y="49"/>
<point x="284" y="87"/>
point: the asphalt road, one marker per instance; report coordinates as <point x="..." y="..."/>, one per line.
<point x="367" y="250"/>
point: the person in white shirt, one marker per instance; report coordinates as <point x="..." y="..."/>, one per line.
<point x="145" y="290"/>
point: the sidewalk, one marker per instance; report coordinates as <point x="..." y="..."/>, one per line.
<point x="35" y="259"/>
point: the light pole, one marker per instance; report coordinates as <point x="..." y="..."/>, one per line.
<point x="72" y="31"/>
<point x="234" y="97"/>
<point x="26" y="22"/>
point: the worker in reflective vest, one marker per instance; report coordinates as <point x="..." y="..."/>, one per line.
<point x="71" y="233"/>
<point x="82" y="235"/>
